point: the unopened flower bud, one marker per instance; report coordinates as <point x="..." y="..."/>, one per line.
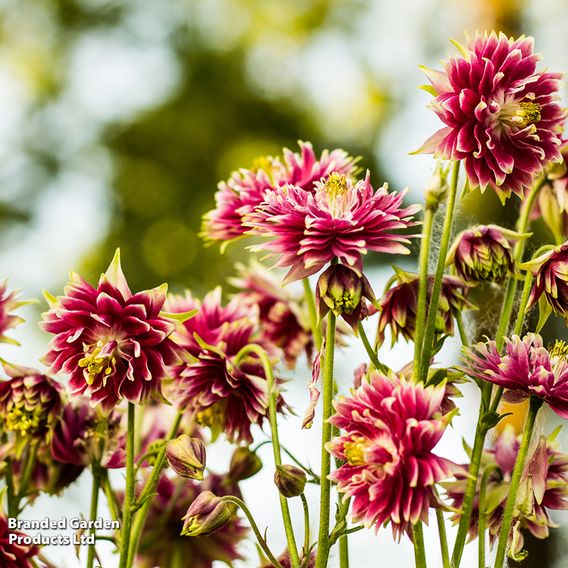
<point x="341" y="290"/>
<point x="437" y="189"/>
<point x="244" y="464"/>
<point x="187" y="456"/>
<point x="206" y="515"/>
<point x="290" y="480"/>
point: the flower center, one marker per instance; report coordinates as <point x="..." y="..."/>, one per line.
<point x="334" y="195"/>
<point x="98" y="360"/>
<point x="529" y="113"/>
<point x="213" y="417"/>
<point x="23" y="420"/>
<point x="559" y="350"/>
<point x="520" y="114"/>
<point x="355" y="452"/>
<point x="336" y="185"/>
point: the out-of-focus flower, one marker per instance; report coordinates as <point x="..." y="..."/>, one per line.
<point x="341" y="219"/>
<point x="502" y="116"/>
<point x="550" y="288"/>
<point x="526" y="368"/>
<point x="9" y="301"/>
<point x="30" y="404"/>
<point x="343" y="291"/>
<point x="483" y="254"/>
<point x="187" y="456"/>
<point x="14" y="553"/>
<point x="284" y="319"/>
<point x="544" y="486"/>
<point x="114" y="344"/>
<point x="290" y="480"/>
<point x="161" y="541"/>
<point x="390" y="428"/>
<point x="245" y="189"/>
<point x="225" y="396"/>
<point x="399" y="305"/>
<point x="244" y="464"/>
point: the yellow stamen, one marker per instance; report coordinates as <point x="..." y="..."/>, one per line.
<point x="355" y="452"/>
<point x="336" y="185"/>
<point x="95" y="365"/>
<point x="529" y="113"/>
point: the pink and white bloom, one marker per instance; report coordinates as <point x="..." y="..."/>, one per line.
<point x="501" y="114"/>
<point x="526" y="368"/>
<point x="9" y="301"/>
<point x="341" y="219"/>
<point x="114" y="344"/>
<point x="390" y="428"/>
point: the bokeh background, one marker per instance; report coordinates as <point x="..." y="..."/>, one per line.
<point x="118" y="118"/>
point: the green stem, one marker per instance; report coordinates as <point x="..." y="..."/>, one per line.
<point x="461" y="330"/>
<point x="129" y="493"/>
<point x="443" y="538"/>
<point x="272" y="416"/>
<point x="306" y="549"/>
<point x="145" y="500"/>
<point x="534" y="406"/>
<point x="31" y="458"/>
<point x="427" y="226"/>
<point x="314" y="323"/>
<point x="10" y="494"/>
<point x="112" y="501"/>
<point x="438" y="277"/>
<point x="482" y="521"/>
<point x="524" y="301"/>
<point x="325" y="484"/>
<point x="419" y="548"/>
<point x="343" y="552"/>
<point x="370" y="351"/>
<point x="254" y="526"/>
<point x="97" y="474"/>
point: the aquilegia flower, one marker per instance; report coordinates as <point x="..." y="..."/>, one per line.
<point x="390" y="428"/>
<point x="501" y="114"/>
<point x="483" y="254"/>
<point x="15" y="553"/>
<point x="245" y="189"/>
<point x="8" y="303"/>
<point x="526" y="368"/>
<point x="225" y="396"/>
<point x="399" y="305"/>
<point x="115" y="345"/>
<point x="341" y="219"/>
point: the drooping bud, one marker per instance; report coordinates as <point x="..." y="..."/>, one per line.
<point x="244" y="464"/>
<point x="206" y="515"/>
<point x="187" y="457"/>
<point x="437" y="189"/>
<point x="290" y="480"/>
<point x="484" y="254"/>
<point x="341" y="290"/>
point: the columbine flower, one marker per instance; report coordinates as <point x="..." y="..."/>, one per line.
<point x="501" y="114"/>
<point x="390" y="428"/>
<point x="526" y="368"/>
<point x="399" y="304"/>
<point x="187" y="456"/>
<point x="8" y="303"/>
<point x="483" y="254"/>
<point x="114" y="344"/>
<point x="30" y="404"/>
<point x="550" y="287"/>
<point x="343" y="291"/>
<point x="283" y="318"/>
<point x="341" y="219"/>
<point x="290" y="480"/>
<point x="244" y="464"/>
<point x="245" y="189"/>
<point x="161" y="541"/>
<point x="225" y="396"/>
<point x="15" y="554"/>
<point x="544" y="486"/>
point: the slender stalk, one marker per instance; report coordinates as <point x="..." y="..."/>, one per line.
<point x="438" y="277"/>
<point x="343" y="552"/>
<point x="314" y="323"/>
<point x="31" y="458"/>
<point x="325" y="483"/>
<point x="483" y="515"/>
<point x="94" y="508"/>
<point x="129" y="493"/>
<point x="272" y="416"/>
<point x="10" y="494"/>
<point x="443" y="538"/>
<point x="534" y="406"/>
<point x="427" y="226"/>
<point x="254" y="526"/>
<point x="461" y="330"/>
<point x="306" y="548"/>
<point x="524" y="301"/>
<point x="419" y="548"/>
<point x="370" y="351"/>
<point x="112" y="501"/>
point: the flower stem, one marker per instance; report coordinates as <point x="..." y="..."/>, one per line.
<point x="111" y="497"/>
<point x="370" y="351"/>
<point x="325" y="483"/>
<point x="343" y="552"/>
<point x="419" y="548"/>
<point x="438" y="277"/>
<point x="306" y="549"/>
<point x="311" y="303"/>
<point x="262" y="543"/>
<point x="534" y="406"/>
<point x="94" y="508"/>
<point x="31" y="458"/>
<point x="483" y="515"/>
<point x="129" y="493"/>
<point x="427" y="226"/>
<point x="443" y="538"/>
